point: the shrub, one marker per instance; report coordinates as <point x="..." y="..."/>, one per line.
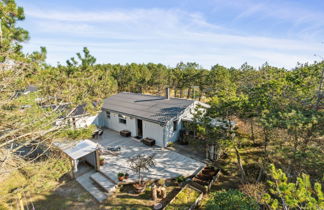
<point x="161" y="182"/>
<point x="170" y="144"/>
<point x="231" y="199"/>
<point x="289" y="195"/>
<point x="180" y="179"/>
<point x="78" y="134"/>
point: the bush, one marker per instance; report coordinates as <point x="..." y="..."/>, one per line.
<point x="231" y="199"/>
<point x="180" y="179"/>
<point x="79" y="134"/>
<point x="170" y="144"/>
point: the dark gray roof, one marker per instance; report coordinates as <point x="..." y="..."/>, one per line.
<point x="153" y="108"/>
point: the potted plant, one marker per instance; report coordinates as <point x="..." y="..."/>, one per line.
<point x="126" y="175"/>
<point x="101" y="160"/>
<point x="180" y="180"/>
<point x="139" y="163"/>
<point x="120" y="176"/>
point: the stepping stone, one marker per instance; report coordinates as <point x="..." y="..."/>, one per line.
<point x="103" y="182"/>
<point x="90" y="186"/>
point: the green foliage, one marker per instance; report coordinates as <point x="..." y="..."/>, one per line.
<point x="184" y="199"/>
<point x="180" y="179"/>
<point x="170" y="144"/>
<point x="35" y="177"/>
<point x="78" y="134"/>
<point x="299" y="195"/>
<point x="231" y="199"/>
<point x="11" y="35"/>
<point x="85" y="61"/>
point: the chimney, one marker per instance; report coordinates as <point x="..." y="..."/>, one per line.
<point x="167" y="93"/>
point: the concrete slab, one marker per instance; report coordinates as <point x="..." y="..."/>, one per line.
<point x="169" y="164"/>
<point x="101" y="180"/>
<point x="90" y="186"/>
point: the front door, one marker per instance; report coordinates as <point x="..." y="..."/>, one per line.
<point x="139" y="128"/>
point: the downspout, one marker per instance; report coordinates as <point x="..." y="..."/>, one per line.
<point x="164" y="135"/>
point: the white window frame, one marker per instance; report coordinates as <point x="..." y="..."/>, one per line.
<point x="122" y="119"/>
<point x="108" y="114"/>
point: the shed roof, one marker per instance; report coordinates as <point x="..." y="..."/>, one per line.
<point x="153" y="108"/>
<point x="78" y="149"/>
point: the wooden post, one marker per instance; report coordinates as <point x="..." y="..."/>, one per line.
<point x="154" y="192"/>
<point x="97" y="160"/>
<point x="163" y="192"/>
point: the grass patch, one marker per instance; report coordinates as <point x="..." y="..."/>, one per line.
<point x="184" y="199"/>
<point x="34" y="178"/>
<point x="231" y="199"/>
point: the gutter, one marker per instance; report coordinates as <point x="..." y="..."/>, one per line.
<point x="161" y="123"/>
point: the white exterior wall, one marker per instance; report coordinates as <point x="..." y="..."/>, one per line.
<point x="84" y="122"/>
<point x="114" y="124"/>
<point x="154" y="131"/>
<point x="80" y="122"/>
<point x="172" y="136"/>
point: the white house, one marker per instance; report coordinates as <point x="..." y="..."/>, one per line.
<point x="77" y="118"/>
<point x="156" y="117"/>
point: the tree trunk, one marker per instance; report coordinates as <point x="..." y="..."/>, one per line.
<point x="252" y="130"/>
<point x="260" y="174"/>
<point x="266" y="140"/>
<point x="181" y="92"/>
<point x="175" y="92"/>
<point x="189" y="93"/>
<point x="239" y="164"/>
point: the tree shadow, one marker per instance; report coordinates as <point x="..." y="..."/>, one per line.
<point x="69" y="195"/>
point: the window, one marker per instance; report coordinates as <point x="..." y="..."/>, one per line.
<point x="122" y="119"/>
<point x="175" y="124"/>
<point x="108" y="114"/>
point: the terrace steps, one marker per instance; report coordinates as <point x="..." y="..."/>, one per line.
<point x="104" y="182"/>
<point x="89" y="185"/>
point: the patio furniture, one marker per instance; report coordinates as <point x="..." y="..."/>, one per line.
<point x="148" y="141"/>
<point x="97" y="133"/>
<point x="125" y="133"/>
<point x="113" y="149"/>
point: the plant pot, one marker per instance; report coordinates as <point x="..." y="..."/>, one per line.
<point x="139" y="188"/>
<point x="120" y="178"/>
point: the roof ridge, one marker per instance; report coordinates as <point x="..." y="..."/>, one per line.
<point x="142" y="94"/>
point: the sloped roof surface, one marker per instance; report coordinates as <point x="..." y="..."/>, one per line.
<point x="78" y="149"/>
<point x="154" y="108"/>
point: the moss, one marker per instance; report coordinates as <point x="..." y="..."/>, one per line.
<point x="184" y="199"/>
